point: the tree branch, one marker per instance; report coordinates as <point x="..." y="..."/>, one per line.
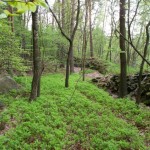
<point x="60" y="28"/>
<point x="77" y="20"/>
<point x="130" y="40"/>
<point x="135" y="13"/>
<point x="135" y="49"/>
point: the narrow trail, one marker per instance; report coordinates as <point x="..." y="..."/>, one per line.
<point x="92" y="75"/>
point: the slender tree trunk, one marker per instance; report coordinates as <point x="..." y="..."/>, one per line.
<point x="128" y="45"/>
<point x="70" y="39"/>
<point x="23" y="38"/>
<point x="11" y="18"/>
<point x="35" y="89"/>
<point x="110" y="41"/>
<point x="59" y="10"/>
<point x="90" y="25"/>
<point x="104" y="21"/>
<point x="62" y="52"/>
<point x="71" y="30"/>
<point x="68" y="65"/>
<point x="123" y="73"/>
<point x="28" y="19"/>
<point x="23" y="35"/>
<point x="84" y="46"/>
<point x="63" y="14"/>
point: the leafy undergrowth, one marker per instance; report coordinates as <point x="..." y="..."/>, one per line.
<point x="89" y="119"/>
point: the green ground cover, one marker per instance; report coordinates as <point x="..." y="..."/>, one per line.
<point x="59" y="119"/>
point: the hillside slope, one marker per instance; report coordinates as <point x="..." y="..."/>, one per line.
<point x="78" y="118"/>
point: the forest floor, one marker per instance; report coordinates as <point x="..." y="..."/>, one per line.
<point x="76" y="118"/>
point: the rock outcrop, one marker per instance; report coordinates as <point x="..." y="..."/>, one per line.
<point x="7" y="84"/>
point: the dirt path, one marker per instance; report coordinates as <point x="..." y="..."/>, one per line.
<point x="92" y="75"/>
<point x="77" y="69"/>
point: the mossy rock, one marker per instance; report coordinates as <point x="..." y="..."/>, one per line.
<point x="7" y="84"/>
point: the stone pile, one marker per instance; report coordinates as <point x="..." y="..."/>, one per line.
<point x="112" y="84"/>
<point x="92" y="63"/>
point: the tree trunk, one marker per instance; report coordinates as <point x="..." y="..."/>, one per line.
<point x="123" y="73"/>
<point x="59" y="10"/>
<point x="62" y="52"/>
<point x="128" y="48"/>
<point x="90" y="25"/>
<point x="70" y="39"/>
<point x="84" y="46"/>
<point x="110" y="40"/>
<point x="35" y="89"/>
<point x="138" y="98"/>
<point x="68" y="65"/>
<point x="71" y="30"/>
<point x="63" y="14"/>
<point x="11" y="18"/>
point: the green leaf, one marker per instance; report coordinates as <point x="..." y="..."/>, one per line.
<point x="43" y="4"/>
<point x="13" y="14"/>
<point x="20" y="11"/>
<point x="19" y="5"/>
<point x="31" y="6"/>
<point x="7" y="12"/>
<point x="40" y="3"/>
<point x="13" y="4"/>
<point x="3" y="15"/>
<point x="24" y="7"/>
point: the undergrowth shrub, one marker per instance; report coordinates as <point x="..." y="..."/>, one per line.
<point x="59" y="120"/>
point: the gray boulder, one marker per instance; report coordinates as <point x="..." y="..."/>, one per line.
<point x="7" y="84"/>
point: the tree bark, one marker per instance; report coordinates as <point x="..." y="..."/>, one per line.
<point x="68" y="65"/>
<point x="90" y="26"/>
<point x="110" y="40"/>
<point x="11" y="18"/>
<point x="71" y="30"/>
<point x="84" y="45"/>
<point x="123" y="72"/>
<point x="35" y="89"/>
<point x="128" y="45"/>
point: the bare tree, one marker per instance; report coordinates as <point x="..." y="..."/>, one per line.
<point x="70" y="39"/>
